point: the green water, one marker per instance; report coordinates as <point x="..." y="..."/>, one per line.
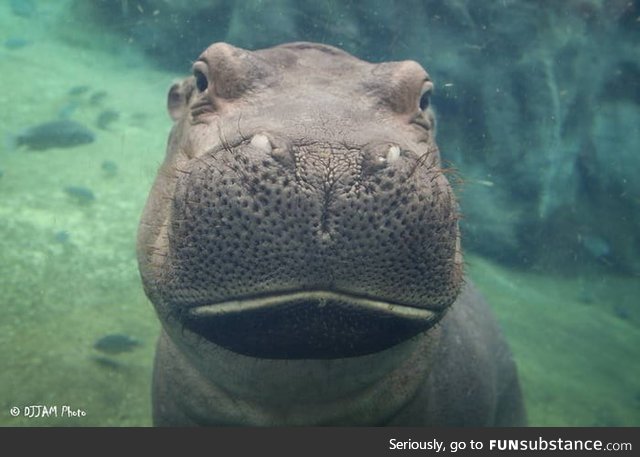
<point x="577" y="353"/>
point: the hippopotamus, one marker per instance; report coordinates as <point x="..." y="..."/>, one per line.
<point x="300" y="245"/>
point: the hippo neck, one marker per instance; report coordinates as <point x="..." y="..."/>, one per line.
<point x="259" y="392"/>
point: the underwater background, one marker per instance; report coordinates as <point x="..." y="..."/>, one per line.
<point x="538" y="109"/>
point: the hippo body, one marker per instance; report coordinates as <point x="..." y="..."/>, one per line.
<point x="301" y="247"/>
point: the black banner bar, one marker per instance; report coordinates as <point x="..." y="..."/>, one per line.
<point x="331" y="441"/>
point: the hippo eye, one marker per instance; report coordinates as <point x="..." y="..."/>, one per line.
<point x="201" y="80"/>
<point x="424" y="100"/>
<point x="425" y="95"/>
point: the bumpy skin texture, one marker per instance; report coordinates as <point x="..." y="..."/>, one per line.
<point x="301" y="247"/>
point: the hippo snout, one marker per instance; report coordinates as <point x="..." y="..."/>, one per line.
<point x="268" y="238"/>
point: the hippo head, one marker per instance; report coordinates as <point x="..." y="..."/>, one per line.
<point x="301" y="211"/>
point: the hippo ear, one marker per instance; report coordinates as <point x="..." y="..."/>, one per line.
<point x="178" y="97"/>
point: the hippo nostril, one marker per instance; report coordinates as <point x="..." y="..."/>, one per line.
<point x="260" y="141"/>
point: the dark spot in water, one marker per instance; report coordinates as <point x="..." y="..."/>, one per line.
<point x="109" y="168"/>
<point x="78" y="90"/>
<point x="622" y="312"/>
<point x="55" y="134"/>
<point x="61" y="236"/>
<point x="23" y="8"/>
<point x="98" y="97"/>
<point x="116" y="343"/>
<point x="81" y="195"/>
<point x="106" y="118"/>
<point x="16" y="43"/>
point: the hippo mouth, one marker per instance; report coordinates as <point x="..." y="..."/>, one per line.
<point x="315" y="324"/>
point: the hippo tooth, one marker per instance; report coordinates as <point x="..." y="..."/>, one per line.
<point x="261" y="142"/>
<point x="393" y="153"/>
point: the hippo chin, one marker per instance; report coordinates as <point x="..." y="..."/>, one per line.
<point x="301" y="247"/>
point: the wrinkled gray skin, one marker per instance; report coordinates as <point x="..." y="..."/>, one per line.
<point x="301" y="247"/>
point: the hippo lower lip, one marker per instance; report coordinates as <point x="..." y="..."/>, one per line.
<point x="314" y="324"/>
